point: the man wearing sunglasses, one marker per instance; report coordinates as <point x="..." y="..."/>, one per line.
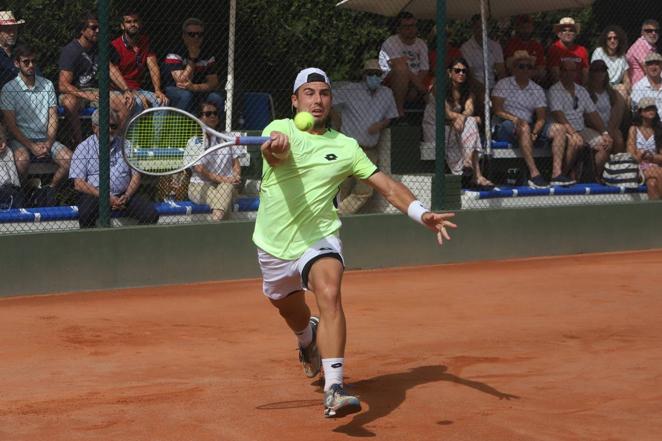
<point x="190" y="72"/>
<point x="521" y="107"/>
<point x="29" y="108"/>
<point x="566" y="49"/>
<point x="124" y="181"/>
<point x="133" y="57"/>
<point x="646" y="44"/>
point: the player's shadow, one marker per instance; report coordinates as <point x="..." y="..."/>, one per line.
<point x="385" y="393"/>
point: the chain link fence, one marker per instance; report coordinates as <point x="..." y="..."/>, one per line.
<point x="564" y="90"/>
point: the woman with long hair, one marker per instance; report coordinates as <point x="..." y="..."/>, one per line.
<point x="645" y="144"/>
<point x="612" y="45"/>
<point x="610" y="104"/>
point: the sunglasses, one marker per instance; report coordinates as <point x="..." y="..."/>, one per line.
<point x="612" y="38"/>
<point x="113" y="126"/>
<point x="651" y="30"/>
<point x="575" y="102"/>
<point x="93" y="27"/>
<point x="459" y="70"/>
<point x="209" y="113"/>
<point x="525" y="66"/>
<point x="29" y="61"/>
<point x="569" y="30"/>
<point x="195" y="34"/>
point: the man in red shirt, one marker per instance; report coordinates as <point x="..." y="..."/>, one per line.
<point x="132" y="55"/>
<point x="565" y="49"/>
<point x="522" y="41"/>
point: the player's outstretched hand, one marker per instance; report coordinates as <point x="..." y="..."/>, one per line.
<point x="438" y="222"/>
<point x="276" y="149"/>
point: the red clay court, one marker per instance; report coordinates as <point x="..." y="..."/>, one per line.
<point x="546" y="349"/>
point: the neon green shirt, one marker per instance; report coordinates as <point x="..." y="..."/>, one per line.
<point x="296" y="196"/>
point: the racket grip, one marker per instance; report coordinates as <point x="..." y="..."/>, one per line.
<point x="244" y="140"/>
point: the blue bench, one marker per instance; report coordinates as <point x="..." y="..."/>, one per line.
<point x="85" y="113"/>
<point x="503" y="149"/>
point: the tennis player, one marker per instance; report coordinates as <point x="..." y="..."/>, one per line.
<point x="297" y="229"/>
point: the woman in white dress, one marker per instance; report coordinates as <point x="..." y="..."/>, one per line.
<point x="645" y="144"/>
<point x="610" y="104"/>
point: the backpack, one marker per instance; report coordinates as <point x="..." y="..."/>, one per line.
<point x="622" y="170"/>
<point x="11" y="196"/>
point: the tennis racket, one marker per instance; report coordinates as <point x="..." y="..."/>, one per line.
<point x="164" y="140"/>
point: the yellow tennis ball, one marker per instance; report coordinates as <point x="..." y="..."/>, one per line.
<point x="304" y="121"/>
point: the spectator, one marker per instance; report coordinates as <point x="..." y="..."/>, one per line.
<point x="215" y="176"/>
<point x="366" y="109"/>
<point x="29" y="109"/>
<point x="520" y="107"/>
<point x="77" y="81"/>
<point x="462" y="135"/>
<point x="645" y="144"/>
<point x="124" y="181"/>
<point x="472" y="51"/>
<point x="609" y="103"/>
<point x="131" y="54"/>
<point x="646" y="44"/>
<point x="650" y="86"/>
<point x="613" y="43"/>
<point x="10" y="186"/>
<point x="8" y="34"/>
<point x="565" y="49"/>
<point x="571" y="105"/>
<point x="523" y="41"/>
<point x="403" y="58"/>
<point x="190" y="73"/>
<point x="452" y="52"/>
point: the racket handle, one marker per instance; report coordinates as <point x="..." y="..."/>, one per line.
<point x="243" y="140"/>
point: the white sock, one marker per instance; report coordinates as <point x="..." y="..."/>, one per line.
<point x="333" y="371"/>
<point x="305" y="336"/>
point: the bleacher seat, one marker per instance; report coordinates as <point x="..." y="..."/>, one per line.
<point x="84" y="113"/>
<point x="258" y="110"/>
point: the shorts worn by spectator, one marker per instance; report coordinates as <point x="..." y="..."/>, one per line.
<point x="29" y="108"/>
<point x="565" y="49"/>
<point x="523" y="41"/>
<point x="572" y="107"/>
<point x="189" y="72"/>
<point x="646" y="44"/>
<point x="403" y="58"/>
<point x="124" y="181"/>
<point x="363" y="111"/>
<point x="645" y="144"/>
<point x="650" y="86"/>
<point x="472" y="51"/>
<point x="77" y="80"/>
<point x="520" y="105"/>
<point x="132" y="55"/>
<point x="214" y="177"/>
<point x="8" y="34"/>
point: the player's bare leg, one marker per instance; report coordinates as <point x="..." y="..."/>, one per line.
<point x="324" y="280"/>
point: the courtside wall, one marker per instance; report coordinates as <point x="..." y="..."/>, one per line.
<point x="147" y="256"/>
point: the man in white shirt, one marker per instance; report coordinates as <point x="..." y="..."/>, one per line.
<point x="572" y="107"/>
<point x="650" y="86"/>
<point x="521" y="106"/>
<point x="404" y="60"/>
<point x="362" y="111"/>
<point x="472" y="51"/>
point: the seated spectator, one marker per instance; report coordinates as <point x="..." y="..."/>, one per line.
<point x="8" y="34"/>
<point x="572" y="107"/>
<point x="452" y="53"/>
<point x="523" y="41"/>
<point x="640" y="49"/>
<point x="403" y="58"/>
<point x="215" y="176"/>
<point x="609" y="103"/>
<point x="462" y="136"/>
<point x="645" y="144"/>
<point x="472" y="51"/>
<point x="365" y="110"/>
<point x="650" y="86"/>
<point x="520" y="107"/>
<point x="11" y="195"/>
<point x="189" y="72"/>
<point x="77" y="80"/>
<point x="124" y="181"/>
<point x="132" y="56"/>
<point x="613" y="43"/>
<point x="565" y="49"/>
<point x="29" y="109"/>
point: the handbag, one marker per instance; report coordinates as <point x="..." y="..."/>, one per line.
<point x="622" y="170"/>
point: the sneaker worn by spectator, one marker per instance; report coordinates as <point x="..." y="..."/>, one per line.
<point x="338" y="403"/>
<point x="538" y="182"/>
<point x="562" y="180"/>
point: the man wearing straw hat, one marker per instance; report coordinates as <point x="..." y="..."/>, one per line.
<point x="8" y="34"/>
<point x="565" y="49"/>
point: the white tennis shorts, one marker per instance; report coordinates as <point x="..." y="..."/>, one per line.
<point x="281" y="278"/>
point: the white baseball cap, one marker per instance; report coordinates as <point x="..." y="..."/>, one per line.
<point x="310" y="75"/>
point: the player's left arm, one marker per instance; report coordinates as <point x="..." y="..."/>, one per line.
<point x="404" y="200"/>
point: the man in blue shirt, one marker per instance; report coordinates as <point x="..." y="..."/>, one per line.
<point x="124" y="181"/>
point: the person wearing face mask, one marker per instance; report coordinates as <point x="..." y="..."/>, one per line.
<point x="362" y="111"/>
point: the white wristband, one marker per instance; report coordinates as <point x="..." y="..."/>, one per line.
<point x="416" y="211"/>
